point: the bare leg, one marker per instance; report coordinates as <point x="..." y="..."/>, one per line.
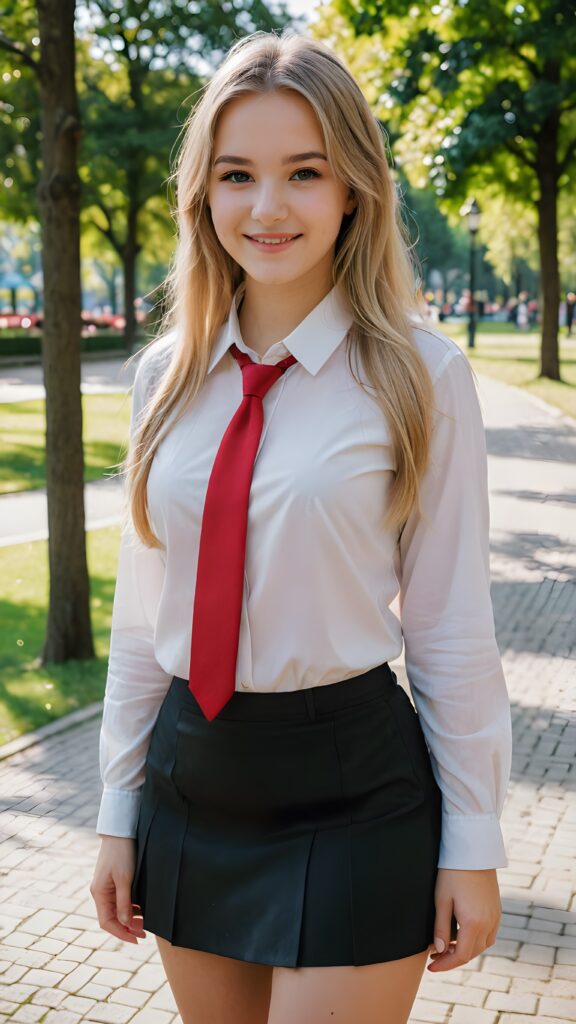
<point x="211" y="989"/>
<point x="374" y="994"/>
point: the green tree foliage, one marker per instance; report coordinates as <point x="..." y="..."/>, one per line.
<point x="438" y="246"/>
<point x="483" y="96"/>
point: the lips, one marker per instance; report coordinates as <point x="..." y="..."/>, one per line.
<point x="272" y="238"/>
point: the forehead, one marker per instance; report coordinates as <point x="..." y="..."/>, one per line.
<point x="259" y="122"/>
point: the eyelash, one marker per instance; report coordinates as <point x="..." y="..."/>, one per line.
<point x="307" y="170"/>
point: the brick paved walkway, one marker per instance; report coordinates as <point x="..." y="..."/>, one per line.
<point x="57" y="966"/>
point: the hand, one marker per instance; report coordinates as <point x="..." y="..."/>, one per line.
<point x="111" y="889"/>
<point x="474" y="897"/>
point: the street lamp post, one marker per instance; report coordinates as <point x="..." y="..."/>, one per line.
<point x="471" y="210"/>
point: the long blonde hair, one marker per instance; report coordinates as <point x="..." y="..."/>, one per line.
<point x="372" y="262"/>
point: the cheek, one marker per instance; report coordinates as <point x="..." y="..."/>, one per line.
<point x="225" y="210"/>
<point x="324" y="206"/>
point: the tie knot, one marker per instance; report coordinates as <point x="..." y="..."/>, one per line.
<point x="258" y="378"/>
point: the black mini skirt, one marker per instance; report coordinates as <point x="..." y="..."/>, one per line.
<point x="298" y="828"/>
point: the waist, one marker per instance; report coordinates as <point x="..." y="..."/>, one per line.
<point x="305" y="703"/>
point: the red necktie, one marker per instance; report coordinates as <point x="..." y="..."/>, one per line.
<point x="220" y="574"/>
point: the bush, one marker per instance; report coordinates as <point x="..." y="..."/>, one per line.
<point x="26" y="343"/>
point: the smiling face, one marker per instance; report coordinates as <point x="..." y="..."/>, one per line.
<point x="259" y="189"/>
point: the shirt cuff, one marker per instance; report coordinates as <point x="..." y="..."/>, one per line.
<point x="471" y="842"/>
<point x="118" y="815"/>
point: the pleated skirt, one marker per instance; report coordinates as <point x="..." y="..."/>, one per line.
<point x="298" y="828"/>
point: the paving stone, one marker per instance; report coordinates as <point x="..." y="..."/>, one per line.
<point x="130" y="997"/>
<point x="13" y="972"/>
<point x="564" y="1009"/>
<point x="7" y="1007"/>
<point x="566" y="971"/>
<point x="18" y="993"/>
<point x="114" y="979"/>
<point x="446" y="992"/>
<point x="60" y="1016"/>
<point x="77" y="1004"/>
<point x="80" y="976"/>
<point x="539" y="954"/>
<point x="42" y="922"/>
<point x="426" y="1010"/>
<point x="98" y="992"/>
<point x="488" y="982"/>
<point x="28" y="1014"/>
<point x="501" y="1001"/>
<point x="566" y="956"/>
<point x="163" y="999"/>
<point x="526" y="986"/>
<point x="155" y="1017"/>
<point x="562" y="988"/>
<point x="110" y="1013"/>
<point x="472" y="1015"/>
<point x="521" y="1018"/>
<point x="48" y="997"/>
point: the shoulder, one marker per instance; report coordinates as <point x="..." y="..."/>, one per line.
<point x="456" y="389"/>
<point x="438" y="351"/>
<point x="153" y="361"/>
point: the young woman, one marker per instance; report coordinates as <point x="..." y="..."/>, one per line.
<point x="298" y="837"/>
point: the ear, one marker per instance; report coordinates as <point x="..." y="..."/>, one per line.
<point x="351" y="202"/>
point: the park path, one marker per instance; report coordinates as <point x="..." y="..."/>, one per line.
<point x="57" y="967"/>
<point x="24" y="514"/>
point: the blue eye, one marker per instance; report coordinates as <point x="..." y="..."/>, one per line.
<point x="303" y="170"/>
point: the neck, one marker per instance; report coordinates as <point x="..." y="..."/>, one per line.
<point x="269" y="313"/>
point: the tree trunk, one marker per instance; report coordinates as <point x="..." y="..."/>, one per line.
<point x="68" y="633"/>
<point x="131" y="250"/>
<point x="547" y="171"/>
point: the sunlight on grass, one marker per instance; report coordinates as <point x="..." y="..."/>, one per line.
<point x="31" y="695"/>
<point x="514" y="359"/>
<point x="106" y="421"/>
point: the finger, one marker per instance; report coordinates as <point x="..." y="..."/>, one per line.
<point x="120" y="931"/>
<point x="106" y="910"/>
<point x="466" y="946"/>
<point x="442" y="925"/>
<point x="137" y="925"/>
<point x="124" y="900"/>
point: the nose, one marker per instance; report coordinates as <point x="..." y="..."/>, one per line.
<point x="269" y="206"/>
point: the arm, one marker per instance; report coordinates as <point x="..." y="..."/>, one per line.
<point x="136" y="684"/>
<point x="452" y="659"/>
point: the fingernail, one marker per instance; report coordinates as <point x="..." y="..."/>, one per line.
<point x="124" y="918"/>
<point x="439" y="943"/>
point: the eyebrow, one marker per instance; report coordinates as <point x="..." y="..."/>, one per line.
<point x="294" y="159"/>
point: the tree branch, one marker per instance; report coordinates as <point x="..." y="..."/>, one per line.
<point x="24" y="55"/>
<point x="526" y="60"/>
<point x="108" y="231"/>
<point x="523" y="157"/>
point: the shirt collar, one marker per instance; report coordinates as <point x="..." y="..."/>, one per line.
<point x="312" y="342"/>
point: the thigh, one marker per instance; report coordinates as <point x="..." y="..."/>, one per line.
<point x="374" y="994"/>
<point x="211" y="989"/>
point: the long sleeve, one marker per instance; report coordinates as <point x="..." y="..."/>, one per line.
<point x="136" y="684"/>
<point x="452" y="659"/>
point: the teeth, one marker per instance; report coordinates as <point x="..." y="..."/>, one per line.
<point x="273" y="241"/>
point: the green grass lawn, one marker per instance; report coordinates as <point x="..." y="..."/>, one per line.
<point x="31" y="695"/>
<point x="106" y="420"/>
<point x="513" y="358"/>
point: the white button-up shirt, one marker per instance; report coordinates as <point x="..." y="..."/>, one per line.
<point x="321" y="573"/>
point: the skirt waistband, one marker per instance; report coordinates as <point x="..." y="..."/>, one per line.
<point x="308" y="702"/>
